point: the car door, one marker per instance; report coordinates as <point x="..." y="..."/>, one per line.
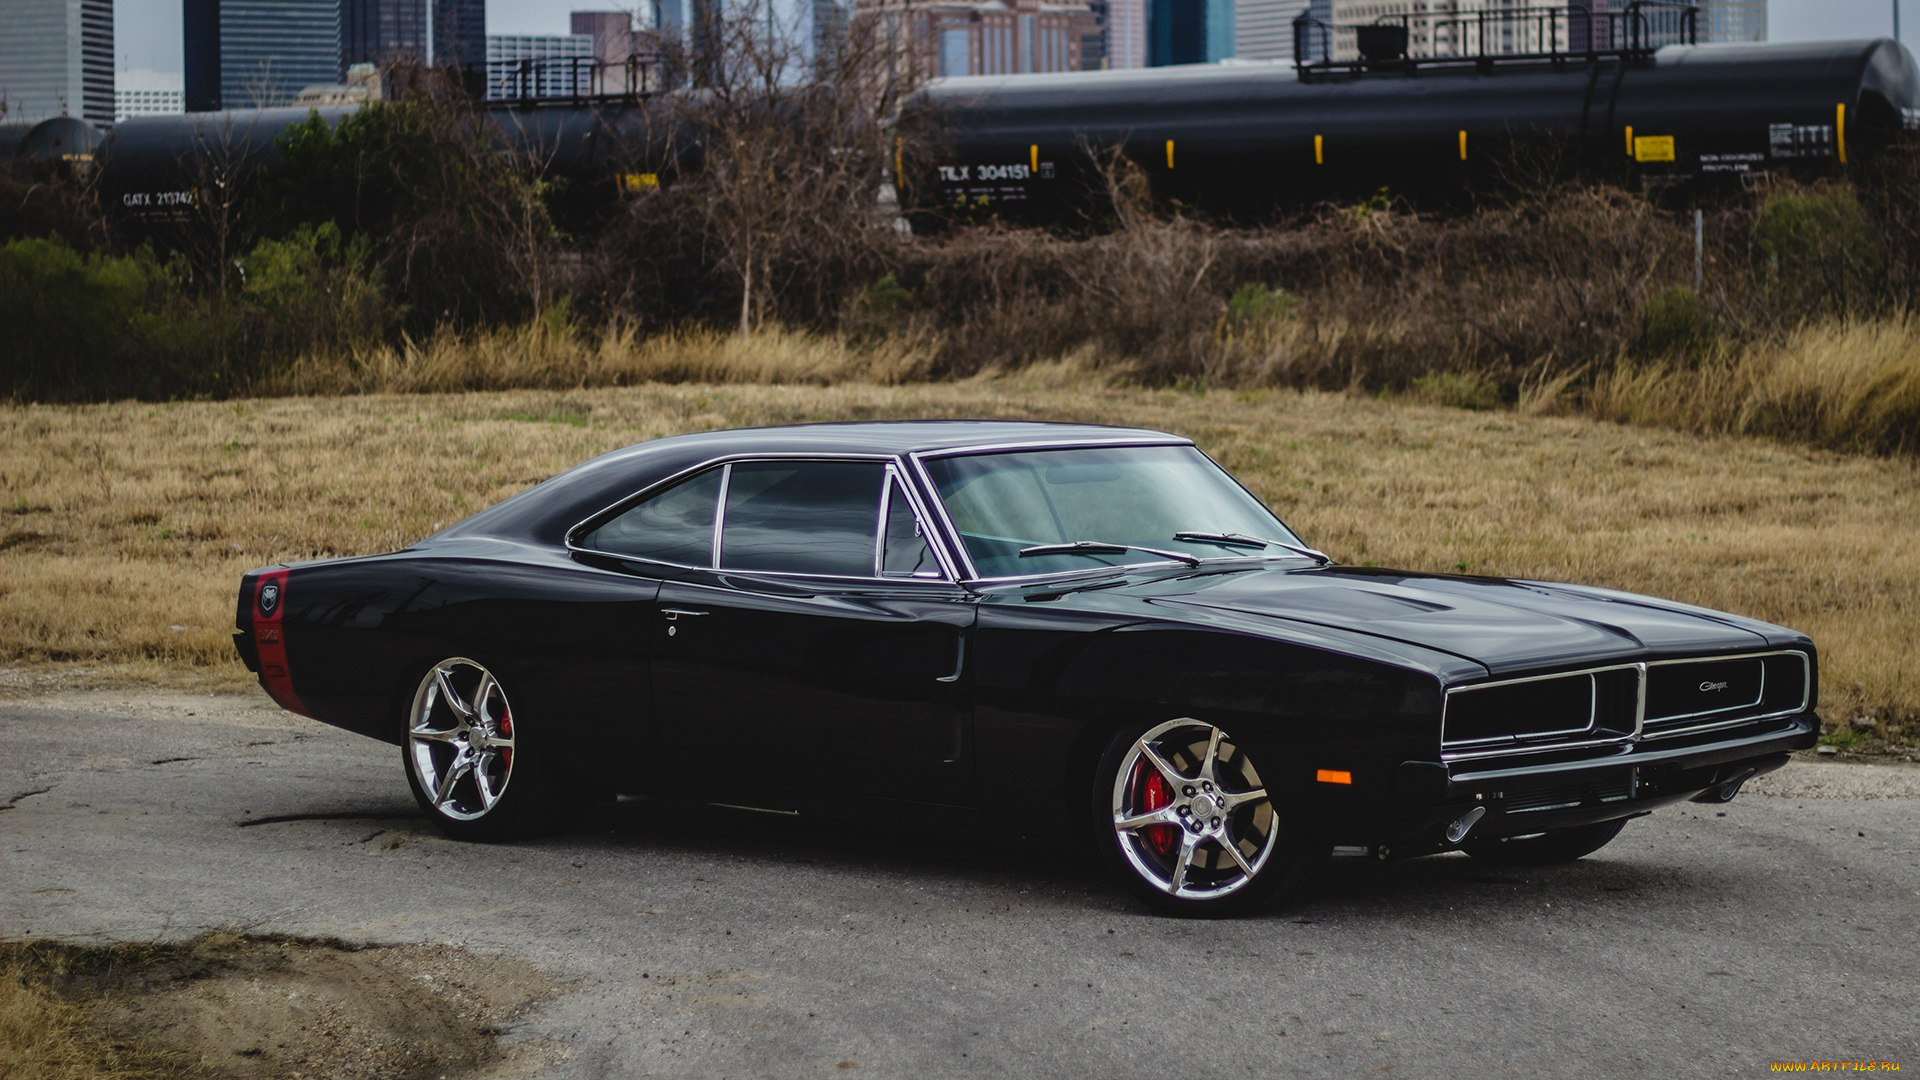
<point x="825" y="648"/>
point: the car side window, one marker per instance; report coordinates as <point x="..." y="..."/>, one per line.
<point x="674" y="526"/>
<point x="905" y="552"/>
<point x="802" y="517"/>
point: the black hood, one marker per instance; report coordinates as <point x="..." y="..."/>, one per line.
<point x="1505" y="626"/>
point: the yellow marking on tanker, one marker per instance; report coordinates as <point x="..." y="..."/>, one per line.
<point x="1629" y="140"/>
<point x="1463" y="144"/>
<point x="1653" y="148"/>
<point x="1169" y="153"/>
<point x="1319" y="149"/>
<point x="1033" y="155"/>
<point x="1840" y="131"/>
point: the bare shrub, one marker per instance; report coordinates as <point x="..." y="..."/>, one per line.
<point x="774" y="166"/>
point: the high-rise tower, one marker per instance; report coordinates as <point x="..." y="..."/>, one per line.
<point x="256" y="53"/>
<point x="56" y="59"/>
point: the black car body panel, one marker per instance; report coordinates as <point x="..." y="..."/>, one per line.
<point x="791" y="689"/>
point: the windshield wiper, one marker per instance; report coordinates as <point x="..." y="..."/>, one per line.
<point x="1232" y="539"/>
<point x="1101" y="547"/>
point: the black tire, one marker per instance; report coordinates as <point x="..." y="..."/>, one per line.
<point x="459" y="721"/>
<point x="1181" y="864"/>
<point x="1547" y="848"/>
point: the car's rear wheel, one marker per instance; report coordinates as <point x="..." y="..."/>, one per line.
<point x="1546" y="848"/>
<point x="1182" y="816"/>
<point x="463" y="757"/>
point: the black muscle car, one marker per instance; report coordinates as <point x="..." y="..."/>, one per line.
<point x="1076" y="629"/>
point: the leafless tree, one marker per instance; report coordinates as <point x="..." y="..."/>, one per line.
<point x="778" y="153"/>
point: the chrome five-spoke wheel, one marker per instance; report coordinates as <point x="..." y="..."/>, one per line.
<point x="460" y="747"/>
<point x="1191" y="821"/>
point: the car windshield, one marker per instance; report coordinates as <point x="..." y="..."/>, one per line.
<point x="1110" y="505"/>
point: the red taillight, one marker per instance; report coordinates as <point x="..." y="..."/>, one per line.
<point x="269" y="600"/>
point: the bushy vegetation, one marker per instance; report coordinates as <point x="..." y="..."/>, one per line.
<point x="385" y="243"/>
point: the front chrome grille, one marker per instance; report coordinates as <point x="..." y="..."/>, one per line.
<point x="1689" y="689"/>
<point x="1595" y="705"/>
<point x="1695" y="695"/>
<point x="1622" y="703"/>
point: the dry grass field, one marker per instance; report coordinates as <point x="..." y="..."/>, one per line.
<point x="125" y="527"/>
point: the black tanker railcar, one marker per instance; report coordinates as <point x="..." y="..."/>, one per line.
<point x="1232" y="138"/>
<point x="1255" y="136"/>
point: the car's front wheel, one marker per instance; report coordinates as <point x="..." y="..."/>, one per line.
<point x="1547" y="848"/>
<point x="463" y="756"/>
<point x="1183" y="817"/>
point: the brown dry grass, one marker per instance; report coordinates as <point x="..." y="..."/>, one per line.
<point x="47" y="1036"/>
<point x="40" y="1035"/>
<point x="126" y="526"/>
<point x="1847" y="385"/>
<point x="552" y="354"/>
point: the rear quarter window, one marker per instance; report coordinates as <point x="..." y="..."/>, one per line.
<point x="672" y="526"/>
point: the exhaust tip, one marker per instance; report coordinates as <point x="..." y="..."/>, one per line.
<point x="1458" y="831"/>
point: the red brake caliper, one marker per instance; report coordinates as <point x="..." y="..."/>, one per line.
<point x="1155" y="794"/>
<point x="506" y="728"/>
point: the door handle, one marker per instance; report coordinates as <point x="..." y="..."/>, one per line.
<point x="673" y="614"/>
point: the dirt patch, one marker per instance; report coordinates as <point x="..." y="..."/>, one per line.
<point x="226" y="1006"/>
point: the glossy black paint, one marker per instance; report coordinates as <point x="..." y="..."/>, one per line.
<point x="777" y="690"/>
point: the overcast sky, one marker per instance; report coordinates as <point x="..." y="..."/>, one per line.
<point x="147" y="32"/>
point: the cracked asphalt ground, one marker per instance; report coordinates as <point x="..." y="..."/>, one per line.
<point x="691" y="941"/>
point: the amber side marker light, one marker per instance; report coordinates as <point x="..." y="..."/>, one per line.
<point x="1333" y="776"/>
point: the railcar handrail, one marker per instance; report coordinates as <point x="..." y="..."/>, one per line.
<point x="1405" y="43"/>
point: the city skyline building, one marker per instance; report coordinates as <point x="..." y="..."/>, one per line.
<point x="628" y="55"/>
<point x="1126" y="33"/>
<point x="1263" y="29"/>
<point x="459" y="31"/>
<point x="56" y="59"/>
<point x="145" y="92"/>
<point x="436" y="32"/>
<point x="1732" y="20"/>
<point x="242" y="54"/>
<point x="539" y="65"/>
<point x="1189" y="31"/>
<point x="950" y="38"/>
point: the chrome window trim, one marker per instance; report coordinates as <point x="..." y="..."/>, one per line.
<point x="972" y="577"/>
<point x="935" y="539"/>
<point x="719" y="512"/>
<point x="726" y="462"/>
<point x="880" y="523"/>
<point x="972" y="573"/>
<point x="1640" y="732"/>
<point x="1051" y="444"/>
<point x="897" y="480"/>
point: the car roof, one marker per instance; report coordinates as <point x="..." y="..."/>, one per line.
<point x="546" y="510"/>
<point x="904" y="436"/>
